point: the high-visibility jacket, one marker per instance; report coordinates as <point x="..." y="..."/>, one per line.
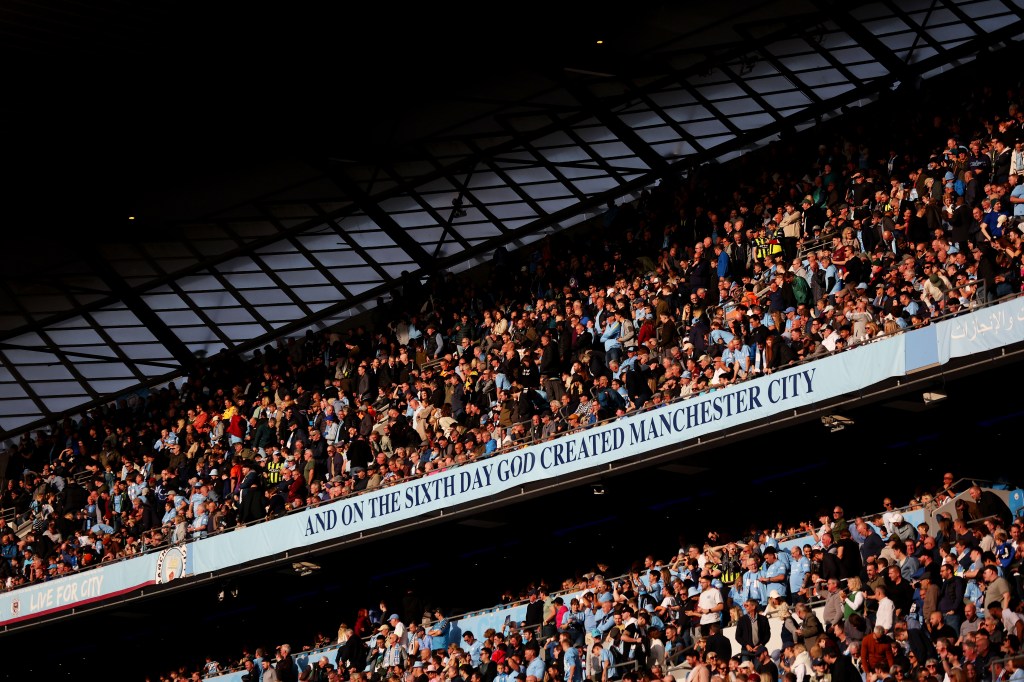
<point x="762" y="246"/>
<point x="273" y="472"/>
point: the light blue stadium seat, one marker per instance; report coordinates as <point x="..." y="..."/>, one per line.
<point x="1016" y="502"/>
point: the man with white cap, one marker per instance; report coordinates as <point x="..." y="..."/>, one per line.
<point x="899" y="528"/>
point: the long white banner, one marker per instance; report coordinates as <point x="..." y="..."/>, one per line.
<point x="985" y="330"/>
<point x="760" y="398"/>
<point x="76" y="590"/>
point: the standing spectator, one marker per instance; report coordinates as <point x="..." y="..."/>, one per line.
<point x="875" y="651"/>
<point x="885" y="615"/>
<point x="709" y="604"/>
<point x="572" y="664"/>
<point x="790" y="226"/>
<point x="440" y="632"/>
<point x="285" y="668"/>
<point x="752" y="630"/>
<point x="833" y="611"/>
<point x="997" y="590"/>
<point x="269" y="673"/>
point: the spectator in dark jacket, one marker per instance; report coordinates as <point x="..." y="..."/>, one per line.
<point x="752" y="630"/>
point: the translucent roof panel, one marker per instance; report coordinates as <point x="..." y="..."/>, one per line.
<point x="505" y="171"/>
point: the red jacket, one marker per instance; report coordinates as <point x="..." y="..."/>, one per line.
<point x="235" y="427"/>
<point x="874" y="652"/>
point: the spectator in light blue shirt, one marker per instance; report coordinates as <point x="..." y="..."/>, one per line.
<point x="605" y="659"/>
<point x="199" y="525"/>
<point x="198" y="499"/>
<point x="425" y="640"/>
<point x="590" y="612"/>
<point x="736" y="357"/>
<point x="573" y="623"/>
<point x="572" y="663"/>
<point x="910" y="306"/>
<point x="604" y="591"/>
<point x="610" y="339"/>
<point x="630" y="362"/>
<point x="736" y="591"/>
<point x="501" y="381"/>
<point x="535" y="664"/>
<point x="799" y="567"/>
<point x="718" y="334"/>
<point x="753" y="588"/>
<point x="774" y="573"/>
<point x="974" y="594"/>
<point x="170" y="513"/>
<point x="908" y="565"/>
<point x="651" y="587"/>
<point x="604" y="621"/>
<point x="832" y="277"/>
<point x="440" y="631"/>
<point x="501" y="672"/>
<point x="179" y="501"/>
<point x="1017" y="199"/>
<point x="784" y="558"/>
<point x="473" y="648"/>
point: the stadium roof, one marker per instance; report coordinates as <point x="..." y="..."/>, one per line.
<point x="427" y="161"/>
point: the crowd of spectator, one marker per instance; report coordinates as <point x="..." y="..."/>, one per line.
<point x="695" y="286"/>
<point x="934" y="605"/>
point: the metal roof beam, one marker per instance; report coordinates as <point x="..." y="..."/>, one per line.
<point x="385" y="222"/>
<point x="636" y="144"/>
<point x="866" y="39"/>
<point x="133" y="300"/>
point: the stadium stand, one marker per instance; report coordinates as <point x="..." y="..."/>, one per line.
<point x="730" y="605"/>
<point x="671" y="298"/>
<point x="215" y="435"/>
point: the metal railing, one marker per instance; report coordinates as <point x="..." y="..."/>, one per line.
<point x="323" y="650"/>
<point x="431" y="364"/>
<point x="629" y="665"/>
<point x="997" y="668"/>
<point x="957" y="487"/>
<point x="810" y="245"/>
